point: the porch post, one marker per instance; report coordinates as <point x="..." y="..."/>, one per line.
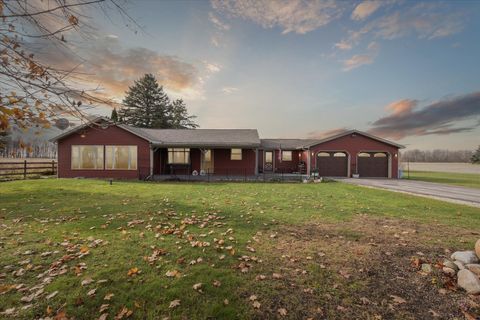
<point x="151" y="160"/>
<point x="308" y="162"/>
<point x="256" y="161"/>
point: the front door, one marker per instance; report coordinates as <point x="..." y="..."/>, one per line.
<point x="207" y="161"/>
<point x="268" y="163"/>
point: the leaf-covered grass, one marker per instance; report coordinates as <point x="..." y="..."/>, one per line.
<point x="88" y="229"/>
<point x="460" y="179"/>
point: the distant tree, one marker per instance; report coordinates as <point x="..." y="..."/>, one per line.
<point x="146" y="105"/>
<point x="476" y="156"/>
<point x="179" y="116"/>
<point x="114" y="116"/>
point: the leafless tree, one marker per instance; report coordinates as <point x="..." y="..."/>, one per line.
<point x="33" y="93"/>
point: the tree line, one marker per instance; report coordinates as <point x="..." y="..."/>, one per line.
<point x="439" y="155"/>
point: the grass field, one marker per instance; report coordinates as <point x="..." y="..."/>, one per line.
<point x="459" y="179"/>
<point x="89" y="250"/>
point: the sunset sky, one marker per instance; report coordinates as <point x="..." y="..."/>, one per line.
<point x="404" y="70"/>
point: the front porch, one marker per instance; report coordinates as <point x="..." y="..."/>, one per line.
<point x="202" y="162"/>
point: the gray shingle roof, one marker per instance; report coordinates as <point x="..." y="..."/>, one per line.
<point x="291" y="144"/>
<point x="201" y="137"/>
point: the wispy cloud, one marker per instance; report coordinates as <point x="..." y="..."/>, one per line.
<point x="362" y="59"/>
<point x="325" y="133"/>
<point x="229" y="90"/>
<point x="217" y="22"/>
<point x="292" y="16"/>
<point x="423" y="20"/>
<point x="212" y="67"/>
<point x="366" y="8"/>
<point x="438" y="118"/>
<point x="113" y="68"/>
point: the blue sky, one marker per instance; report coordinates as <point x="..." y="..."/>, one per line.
<point x="404" y="70"/>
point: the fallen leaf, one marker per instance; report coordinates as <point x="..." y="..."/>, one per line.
<point x="174" y="304"/>
<point x="124" y="313"/>
<point x="108" y="296"/>
<point x="282" y="312"/>
<point x="216" y="283"/>
<point x="256" y="304"/>
<point x="133" y="272"/>
<point x="173" y="273"/>
<point x="397" y="299"/>
<point x="91" y="293"/>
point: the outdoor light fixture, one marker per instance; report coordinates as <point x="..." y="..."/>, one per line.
<point x="396" y="155"/>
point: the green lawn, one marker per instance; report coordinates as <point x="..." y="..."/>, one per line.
<point x="459" y="179"/>
<point x="258" y="251"/>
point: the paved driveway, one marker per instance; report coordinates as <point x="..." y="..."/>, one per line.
<point x="468" y="196"/>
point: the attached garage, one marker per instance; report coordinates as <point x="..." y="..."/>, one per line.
<point x="373" y="164"/>
<point x="332" y="164"/>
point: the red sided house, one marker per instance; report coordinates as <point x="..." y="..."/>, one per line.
<point x="103" y="149"/>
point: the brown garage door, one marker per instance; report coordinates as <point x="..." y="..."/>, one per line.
<point x="332" y="164"/>
<point x="372" y="165"/>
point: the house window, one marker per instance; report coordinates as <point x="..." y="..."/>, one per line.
<point x="236" y="154"/>
<point x="323" y="154"/>
<point x="286" y="155"/>
<point x="379" y="155"/>
<point x="339" y="154"/>
<point x="121" y="157"/>
<point x="178" y="156"/>
<point x="364" y="155"/>
<point x="87" y="157"/>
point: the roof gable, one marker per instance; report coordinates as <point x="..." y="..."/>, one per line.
<point x="365" y="134"/>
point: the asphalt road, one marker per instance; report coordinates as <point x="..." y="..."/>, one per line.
<point x="449" y="193"/>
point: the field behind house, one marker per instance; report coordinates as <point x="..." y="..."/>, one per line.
<point x="87" y="249"/>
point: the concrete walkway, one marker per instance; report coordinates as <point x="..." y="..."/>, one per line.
<point x="449" y="193"/>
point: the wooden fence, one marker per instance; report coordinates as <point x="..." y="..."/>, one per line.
<point x="25" y="169"/>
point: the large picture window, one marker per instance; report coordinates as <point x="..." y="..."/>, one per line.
<point x="236" y="154"/>
<point x="178" y="156"/>
<point x="121" y="157"/>
<point x="87" y="157"/>
<point x="286" y="155"/>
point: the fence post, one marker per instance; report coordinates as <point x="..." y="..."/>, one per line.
<point x="25" y="169"/>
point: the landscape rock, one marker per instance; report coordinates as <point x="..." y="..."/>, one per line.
<point x="427" y="268"/>
<point x="468" y="281"/>
<point x="459" y="265"/>
<point x="477" y="248"/>
<point x="449" y="271"/>
<point x="475" y="268"/>
<point x="449" y="264"/>
<point x="465" y="257"/>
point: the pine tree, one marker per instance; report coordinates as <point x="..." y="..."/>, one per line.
<point x="476" y="156"/>
<point x="179" y="117"/>
<point x="114" y="116"/>
<point x="146" y="104"/>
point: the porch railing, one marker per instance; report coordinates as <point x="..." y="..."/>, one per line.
<point x="231" y="174"/>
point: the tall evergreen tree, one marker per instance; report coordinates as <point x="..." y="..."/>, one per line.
<point x="114" y="116"/>
<point x="179" y="117"/>
<point x="146" y="104"/>
<point x="476" y="156"/>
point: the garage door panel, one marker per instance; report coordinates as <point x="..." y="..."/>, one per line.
<point x="331" y="164"/>
<point x="373" y="165"/>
